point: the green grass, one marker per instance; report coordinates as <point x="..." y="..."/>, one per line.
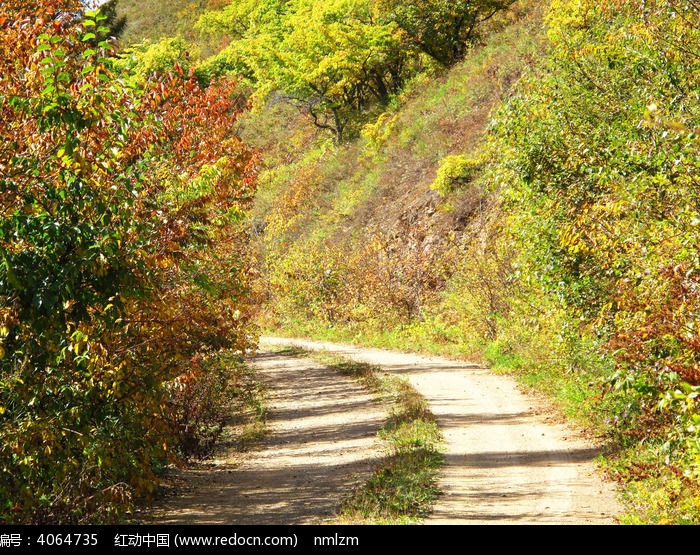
<point x="403" y="488"/>
<point x="154" y="19"/>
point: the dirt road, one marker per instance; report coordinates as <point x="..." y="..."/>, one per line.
<point x="506" y="462"/>
<point x="322" y="441"/>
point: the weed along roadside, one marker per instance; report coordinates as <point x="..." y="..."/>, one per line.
<point x="403" y="487"/>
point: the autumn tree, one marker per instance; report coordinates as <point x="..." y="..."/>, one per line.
<point x="120" y="262"/>
<point x="337" y="60"/>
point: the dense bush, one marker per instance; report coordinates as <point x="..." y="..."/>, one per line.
<point x="603" y="143"/>
<point x="454" y="171"/>
<point x="119" y="262"/>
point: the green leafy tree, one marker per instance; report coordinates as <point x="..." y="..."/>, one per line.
<point x="331" y="59"/>
<point x="336" y="61"/>
<point x="442" y="29"/>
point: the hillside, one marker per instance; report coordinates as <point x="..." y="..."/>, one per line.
<point x="532" y="208"/>
<point x="513" y="183"/>
<point x="358" y="239"/>
<point x="148" y="20"/>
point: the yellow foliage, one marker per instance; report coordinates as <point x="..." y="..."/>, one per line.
<point x="377" y="133"/>
<point x="455" y="170"/>
<point x="567" y="18"/>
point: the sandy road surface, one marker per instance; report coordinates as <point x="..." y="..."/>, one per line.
<point x="506" y="462"/>
<point x="322" y="441"/>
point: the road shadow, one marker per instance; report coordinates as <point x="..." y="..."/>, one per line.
<point x="321" y="444"/>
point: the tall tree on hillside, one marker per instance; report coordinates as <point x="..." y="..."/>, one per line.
<point x="442" y="29"/>
<point x="337" y="60"/>
<point x="331" y="59"/>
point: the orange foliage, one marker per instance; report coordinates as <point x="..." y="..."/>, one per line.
<point x="120" y="261"/>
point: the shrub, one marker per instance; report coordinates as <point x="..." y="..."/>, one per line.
<point x="103" y="300"/>
<point x="455" y="171"/>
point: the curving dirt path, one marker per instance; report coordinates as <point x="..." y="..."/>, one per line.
<point x="506" y="461"/>
<point x="322" y="441"/>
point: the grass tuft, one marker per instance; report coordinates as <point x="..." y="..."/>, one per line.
<point x="403" y="488"/>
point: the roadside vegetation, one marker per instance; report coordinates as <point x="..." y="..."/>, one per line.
<point x="122" y="268"/>
<point x="513" y="182"/>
